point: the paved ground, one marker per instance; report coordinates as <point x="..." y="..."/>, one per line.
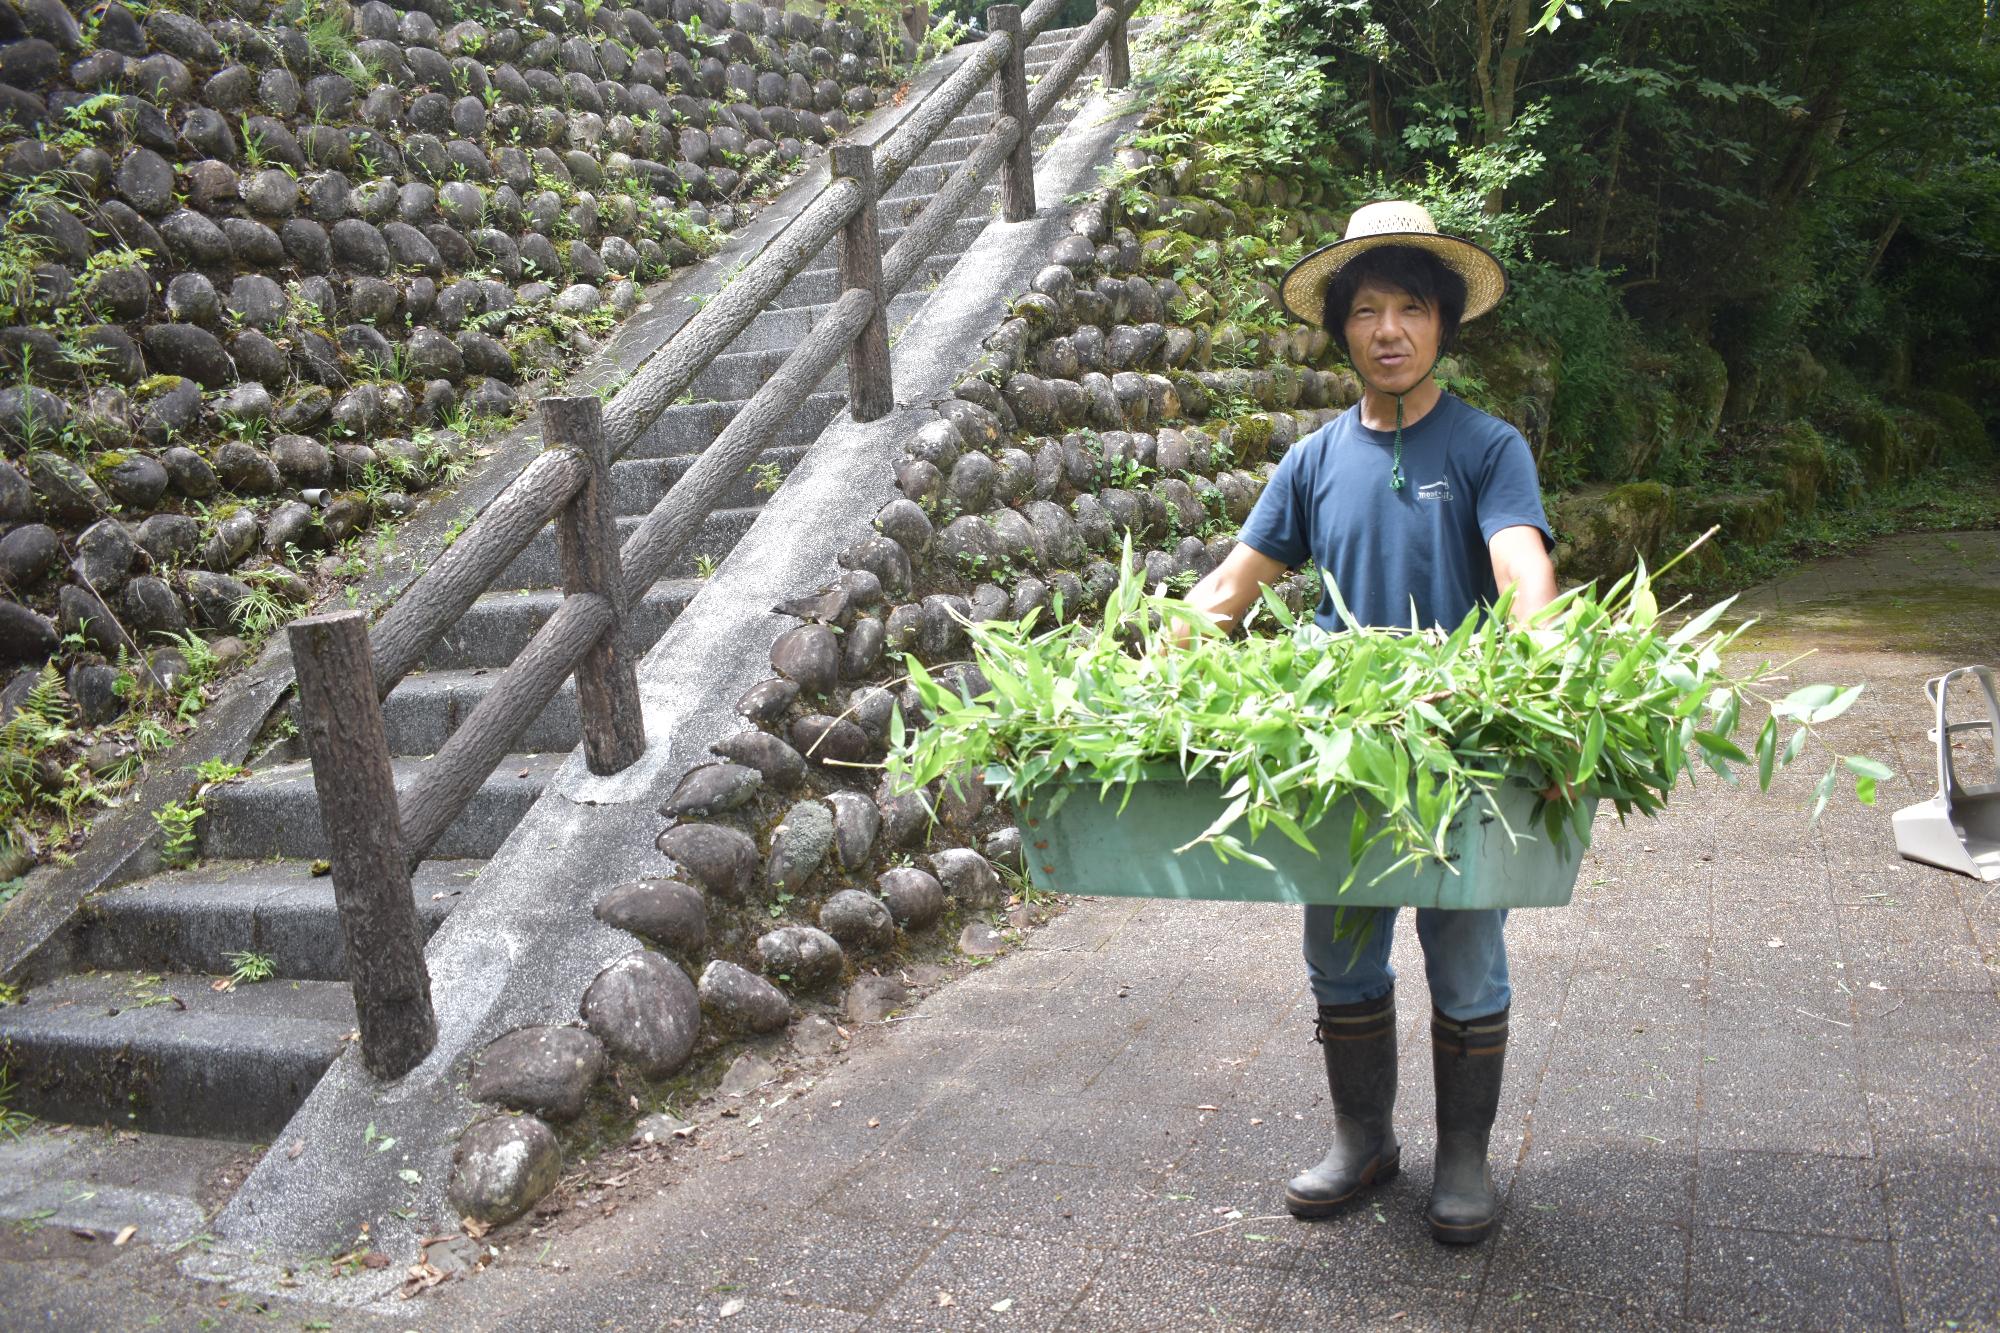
<point x="1754" y="1083"/>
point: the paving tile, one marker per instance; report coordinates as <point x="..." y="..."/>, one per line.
<point x="770" y="1314"/>
<point x="1968" y="1076"/>
<point x="1944" y="1222"/>
<point x="1316" y="1299"/>
<point x="1918" y="1131"/>
<point x="1950" y="1286"/>
<point x="1800" y="1193"/>
<point x="1158" y="1291"/>
<point x="1085" y="1205"/>
<point x="1587" y="1177"/>
<point x="1039" y="1278"/>
<point x="1817" y="1055"/>
<point x="1801" y="1282"/>
<point x="1589" y="1269"/>
<point x="1926" y="1017"/>
<point x="1912" y="946"/>
<point x="1626" y="1108"/>
<point x="850" y="1267"/>
<point x="1826" y="1120"/>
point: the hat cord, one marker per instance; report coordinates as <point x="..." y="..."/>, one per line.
<point x="1396" y="464"/>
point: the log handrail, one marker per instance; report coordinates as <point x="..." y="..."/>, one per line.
<point x="345" y="671"/>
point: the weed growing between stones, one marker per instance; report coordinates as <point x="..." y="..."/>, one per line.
<point x="179" y="840"/>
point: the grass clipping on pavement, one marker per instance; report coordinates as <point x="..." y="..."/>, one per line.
<point x="1595" y="696"/>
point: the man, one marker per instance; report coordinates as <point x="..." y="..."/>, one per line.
<point x="1412" y="502"/>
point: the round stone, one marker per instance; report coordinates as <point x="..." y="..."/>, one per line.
<point x="914" y="898"/>
<point x="810" y="655"/>
<point x="105" y="554"/>
<point x="767" y="701"/>
<point x="27" y="554"/>
<point x="723" y="861"/>
<point x="546" y="1070"/>
<point x="966" y="876"/>
<point x="799" y="844"/>
<point x="150" y="609"/>
<point x="856" y="822"/>
<point x="831" y="741"/>
<point x="146" y="181"/>
<point x="713" y="789"/>
<point x="665" y="911"/>
<point x="737" y="1000"/>
<point x="778" y="763"/>
<point x="645" y="1011"/>
<point x="805" y="956"/>
<point x="272" y="193"/>
<point x="183" y="349"/>
<point x="858" y="920"/>
<point x="135" y="481"/>
<point x="501" y="1167"/>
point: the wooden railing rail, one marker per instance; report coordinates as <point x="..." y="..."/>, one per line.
<point x="344" y="671"/>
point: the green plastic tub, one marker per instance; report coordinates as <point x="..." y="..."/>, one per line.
<point x="1090" y="846"/>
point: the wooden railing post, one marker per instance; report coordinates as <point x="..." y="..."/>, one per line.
<point x="1117" y="52"/>
<point x="1017" y="177"/>
<point x="607" y="679"/>
<point x="870" y="387"/>
<point x="357" y="803"/>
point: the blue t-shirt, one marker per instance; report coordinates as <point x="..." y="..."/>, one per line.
<point x="1468" y="476"/>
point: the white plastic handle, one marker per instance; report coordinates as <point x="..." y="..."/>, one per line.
<point x="1939" y="689"/>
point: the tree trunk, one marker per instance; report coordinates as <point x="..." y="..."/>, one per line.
<point x="1610" y="187"/>
<point x="1882" y="242"/>
<point x="1498" y="79"/>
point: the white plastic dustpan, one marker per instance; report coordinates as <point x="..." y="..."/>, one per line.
<point x="1959" y="828"/>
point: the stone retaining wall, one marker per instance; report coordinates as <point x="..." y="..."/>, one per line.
<point x="269" y="272"/>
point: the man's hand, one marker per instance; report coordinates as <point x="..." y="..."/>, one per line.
<point x="1521" y="561"/>
<point x="1228" y="591"/>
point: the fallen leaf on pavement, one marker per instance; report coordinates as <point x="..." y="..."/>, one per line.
<point x="292" y="1153"/>
<point x="732" y="1307"/>
<point x="1002" y="1307"/>
<point x="125" y="1234"/>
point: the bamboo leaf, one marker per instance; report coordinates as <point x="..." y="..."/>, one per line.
<point x="1868" y="768"/>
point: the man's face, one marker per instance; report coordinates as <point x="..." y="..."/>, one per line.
<point x="1392" y="337"/>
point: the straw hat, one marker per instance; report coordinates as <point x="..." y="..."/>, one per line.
<point x="1392" y="223"/>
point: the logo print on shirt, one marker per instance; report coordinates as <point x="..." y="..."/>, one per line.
<point x="1437" y="490"/>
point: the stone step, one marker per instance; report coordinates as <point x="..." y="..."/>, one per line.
<point x="638" y="484"/>
<point x="423" y="710"/>
<point x="161" y="1184"/>
<point x="274" y="812"/>
<point x="821" y="284"/>
<point x="170" y="1054"/>
<point x="536" y="567"/>
<point x="784" y="329"/>
<point x="689" y="428"/>
<point x="192" y="920"/>
<point x="498" y="626"/>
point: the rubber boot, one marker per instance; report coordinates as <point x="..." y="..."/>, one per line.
<point x="1359" y="1043"/>
<point x="1467" y="1059"/>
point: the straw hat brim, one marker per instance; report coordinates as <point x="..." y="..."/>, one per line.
<point x="1304" y="287"/>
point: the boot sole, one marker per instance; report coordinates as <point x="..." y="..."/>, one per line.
<point x="1312" y="1210"/>
<point x="1467" y="1233"/>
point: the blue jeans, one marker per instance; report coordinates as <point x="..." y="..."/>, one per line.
<point x="1465" y="959"/>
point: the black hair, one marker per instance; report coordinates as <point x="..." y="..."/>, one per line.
<point x="1401" y="268"/>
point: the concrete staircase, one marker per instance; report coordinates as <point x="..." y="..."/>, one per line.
<point x="141" y="1039"/>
